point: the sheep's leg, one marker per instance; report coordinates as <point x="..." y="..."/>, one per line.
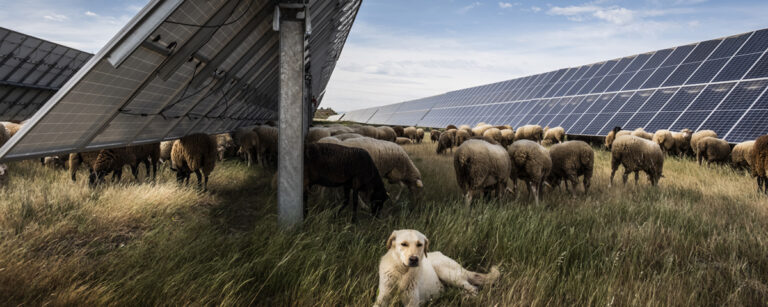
<point x="574" y="183"/>
<point x="534" y="189"/>
<point x="637" y="177"/>
<point x="397" y="197"/>
<point x="154" y="169"/>
<point x="530" y="190"/>
<point x="346" y="200"/>
<point x="199" y="178"/>
<point x="147" y="166"/>
<point x="468" y="198"/>
<point x="586" y="183"/>
<point x="355" y="195"/>
<point x="625" y="176"/>
<point x="613" y="172"/>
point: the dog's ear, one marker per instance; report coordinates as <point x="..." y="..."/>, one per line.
<point x="391" y="239"/>
<point x="426" y="247"/>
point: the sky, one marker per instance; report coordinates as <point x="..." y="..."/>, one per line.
<point x="401" y="50"/>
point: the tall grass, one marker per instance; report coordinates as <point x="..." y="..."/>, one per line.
<point x="697" y="239"/>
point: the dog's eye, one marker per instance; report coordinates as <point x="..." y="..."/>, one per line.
<point x="419" y="244"/>
<point x="404" y="244"/>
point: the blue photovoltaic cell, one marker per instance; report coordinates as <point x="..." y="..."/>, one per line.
<point x="751" y="126"/>
<point x="636" y="101"/>
<point x="690" y="120"/>
<point x="762" y="102"/>
<point x="618" y="120"/>
<point x="711" y="97"/>
<point x="729" y="46"/>
<point x="638" y="80"/>
<point x="657" y="58"/>
<point x="657" y="100"/>
<point x="683" y="97"/>
<point x="597" y="123"/>
<point x="620" y="81"/>
<point x="707" y="71"/>
<point x="638" y="62"/>
<point x="737" y="67"/>
<point x="702" y="51"/>
<point x="757" y="43"/>
<point x="743" y="95"/>
<point x="678" y="55"/>
<point x="616" y="102"/>
<point x="760" y="69"/>
<point x="639" y="120"/>
<point x="682" y="73"/>
<point x="658" y="77"/>
<point x="721" y="121"/>
<point x="663" y="120"/>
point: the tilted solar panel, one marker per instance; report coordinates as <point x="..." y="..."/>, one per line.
<point x="718" y="84"/>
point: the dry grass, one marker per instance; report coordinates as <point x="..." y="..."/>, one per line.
<point x="697" y="239"/>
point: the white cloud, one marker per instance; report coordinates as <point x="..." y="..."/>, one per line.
<point x="56" y="17"/>
<point x="469" y="7"/>
<point x="613" y="14"/>
<point x="92" y="14"/>
<point x="535" y="9"/>
<point x="506" y="5"/>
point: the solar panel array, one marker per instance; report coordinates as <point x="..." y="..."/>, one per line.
<point x="181" y="67"/>
<point x="31" y="71"/>
<point x="718" y="84"/>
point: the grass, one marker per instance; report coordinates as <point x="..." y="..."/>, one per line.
<point x="697" y="239"/>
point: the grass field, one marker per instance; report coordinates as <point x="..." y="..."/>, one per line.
<point x="700" y="238"/>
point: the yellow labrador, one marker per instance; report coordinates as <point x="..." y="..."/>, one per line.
<point x="418" y="274"/>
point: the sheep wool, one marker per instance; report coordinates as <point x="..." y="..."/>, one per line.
<point x="410" y="132"/>
<point x="76" y="159"/>
<point x="531" y="163"/>
<point x="492" y="134"/>
<point x="4" y="135"/>
<point x="386" y="133"/>
<point x="434" y="135"/>
<point x="480" y="129"/>
<point x="345" y="136"/>
<point x="368" y="131"/>
<point x="461" y="137"/>
<point x="682" y="141"/>
<point x="446" y="141"/>
<point x="760" y="160"/>
<point x="165" y="150"/>
<point x="419" y="135"/>
<point x="480" y="165"/>
<point x="267" y="145"/>
<point x="316" y="133"/>
<point x="403" y="141"/>
<point x="741" y="155"/>
<point x="637" y="154"/>
<point x="399" y="131"/>
<point x="639" y="132"/>
<point x="194" y="153"/>
<point x="698" y="136"/>
<point x="713" y="150"/>
<point x="570" y="160"/>
<point x="665" y="140"/>
<point x="507" y="137"/>
<point x="554" y="135"/>
<point x="529" y="132"/>
<point x="11" y="127"/>
<point x="391" y="160"/>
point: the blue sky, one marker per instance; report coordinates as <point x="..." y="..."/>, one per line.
<point x="400" y="50"/>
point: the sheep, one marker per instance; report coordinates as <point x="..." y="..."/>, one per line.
<point x="449" y="127"/>
<point x="316" y="133"/>
<point x="368" y="131"/>
<point x="461" y="137"/>
<point x="531" y="163"/>
<point x="267" y="145"/>
<point x="639" y="132"/>
<point x="11" y="127"/>
<point x="398" y="131"/>
<point x="529" y="132"/>
<point x="741" y="155"/>
<point x="346" y="136"/>
<point x="465" y="127"/>
<point x="696" y="137"/>
<point x="392" y="161"/>
<point x="434" y="135"/>
<point x="113" y="160"/>
<point x="713" y="150"/>
<point x="615" y="133"/>
<point x="760" y="160"/>
<point x="386" y="133"/>
<point x="165" y="150"/>
<point x="194" y="153"/>
<point x="637" y="154"/>
<point x="76" y="159"/>
<point x="3" y="175"/>
<point x="682" y="141"/>
<point x="493" y="134"/>
<point x="410" y="132"/>
<point x="570" y="160"/>
<point x="54" y="162"/>
<point x="502" y="127"/>
<point x="340" y="130"/>
<point x="333" y="165"/>
<point x="249" y="146"/>
<point x="665" y="140"/>
<point x="446" y="141"/>
<point x="554" y="135"/>
<point x="403" y="141"/>
<point x="419" y="135"/>
<point x="507" y="137"/>
<point x="5" y="135"/>
<point x="329" y="140"/>
<point x="481" y="167"/>
<point x="479" y="130"/>
<point x="225" y="147"/>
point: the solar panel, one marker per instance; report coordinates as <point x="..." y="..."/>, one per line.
<point x="31" y="71"/>
<point x="181" y="67"/>
<point x="717" y="84"/>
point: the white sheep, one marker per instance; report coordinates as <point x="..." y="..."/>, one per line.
<point x="493" y="134"/>
<point x="194" y="153"/>
<point x="481" y="166"/>
<point x="393" y="162"/>
<point x="386" y="133"/>
<point x="529" y="132"/>
<point x="741" y="155"/>
<point x="554" y="135"/>
<point x="639" y="132"/>
<point x="637" y="154"/>
<point x="316" y="133"/>
<point x="410" y="132"/>
<point x="531" y="163"/>
<point x="696" y="137"/>
<point x="666" y="140"/>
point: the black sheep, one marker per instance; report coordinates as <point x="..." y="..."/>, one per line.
<point x="332" y="165"/>
<point x="434" y="135"/>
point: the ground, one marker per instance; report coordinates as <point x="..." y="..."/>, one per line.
<point x="700" y="238"/>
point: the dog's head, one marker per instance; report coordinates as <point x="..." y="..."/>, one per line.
<point x="409" y="246"/>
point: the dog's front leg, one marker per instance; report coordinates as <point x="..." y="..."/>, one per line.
<point x="412" y="299"/>
<point x="385" y="291"/>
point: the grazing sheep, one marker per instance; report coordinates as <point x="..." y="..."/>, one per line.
<point x="554" y="135"/>
<point x="760" y="160"/>
<point x="332" y="165"/>
<point x="666" y="141"/>
<point x="340" y="130"/>
<point x="249" y="147"/>
<point x="55" y="162"/>
<point x="481" y="167"/>
<point x="399" y="131"/>
<point x="461" y="137"/>
<point x="639" y="132"/>
<point x="449" y="127"/>
<point x="615" y="133"/>
<point x="368" y="131"/>
<point x="492" y="134"/>
<point x="419" y="135"/>
<point x="194" y="153"/>
<point x="316" y="133"/>
<point x="225" y="147"/>
<point x="5" y="135"/>
<point x="502" y="127"/>
<point x="446" y="141"/>
<point x="530" y="163"/>
<point x="76" y="159"/>
<point x="113" y="160"/>
<point x="386" y="133"/>
<point x="570" y="160"/>
<point x="3" y="175"/>
<point x="507" y="137"/>
<point x="403" y="141"/>
<point x="11" y="127"/>
<point x="713" y="150"/>
<point x="392" y="161"/>
<point x="637" y="154"/>
<point x="165" y="150"/>
<point x="465" y="127"/>
<point x="696" y="137"/>
<point x="434" y="135"/>
<point x="410" y="132"/>
<point x="529" y="132"/>
<point x="267" y="146"/>
<point x="345" y="136"/>
<point x="741" y="155"/>
<point x="682" y="141"/>
<point x="480" y="129"/>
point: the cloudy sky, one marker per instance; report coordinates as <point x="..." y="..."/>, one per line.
<point x="400" y="50"/>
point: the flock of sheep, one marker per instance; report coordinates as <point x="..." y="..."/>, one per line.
<point x="359" y="157"/>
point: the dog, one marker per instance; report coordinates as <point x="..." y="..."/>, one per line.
<point x="419" y="275"/>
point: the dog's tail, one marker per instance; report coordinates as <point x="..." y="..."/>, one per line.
<point x="479" y="279"/>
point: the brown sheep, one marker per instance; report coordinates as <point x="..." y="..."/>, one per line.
<point x="713" y="150"/>
<point x="696" y="137"/>
<point x="434" y="135"/>
<point x="399" y="131"/>
<point x="741" y="155"/>
<point x="267" y="146"/>
<point x="449" y="127"/>
<point x="531" y="163"/>
<point x="316" y="133"/>
<point x="11" y="127"/>
<point x="481" y="167"/>
<point x="682" y="141"/>
<point x="665" y="140"/>
<point x="493" y="134"/>
<point x="5" y="135"/>
<point x="637" y="154"/>
<point x="554" y="135"/>
<point x="639" y="132"/>
<point x="446" y="141"/>
<point x="480" y="129"/>
<point x="368" y="131"/>
<point x="507" y="137"/>
<point x="570" y="160"/>
<point x="194" y="153"/>
<point x="76" y="159"/>
<point x="461" y="137"/>
<point x="760" y="160"/>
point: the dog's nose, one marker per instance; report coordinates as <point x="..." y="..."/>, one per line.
<point x="413" y="261"/>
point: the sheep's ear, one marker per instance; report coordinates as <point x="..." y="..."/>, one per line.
<point x="426" y="247"/>
<point x="419" y="184"/>
<point x="391" y="239"/>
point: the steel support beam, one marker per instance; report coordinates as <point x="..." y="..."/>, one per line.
<point x="290" y="162"/>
